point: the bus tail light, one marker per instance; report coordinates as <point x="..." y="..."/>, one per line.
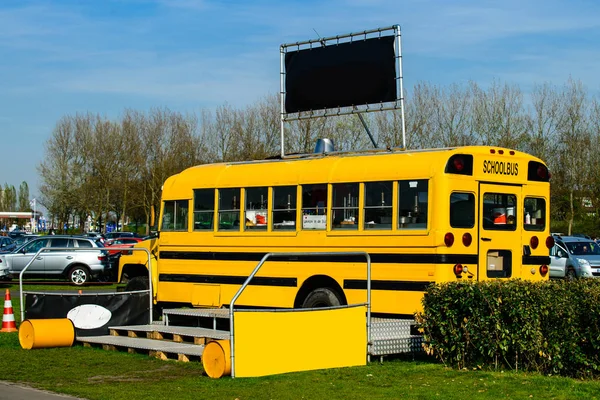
<point x="458" y="269"/>
<point x="549" y="242"/>
<point x="543" y="270"/>
<point x="467" y="239"/>
<point x="449" y="239"/>
<point x="534" y="242"/>
<point x="538" y="172"/>
<point x="461" y="164"/>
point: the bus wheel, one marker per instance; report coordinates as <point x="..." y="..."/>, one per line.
<point x="322" y="297"/>
<point x="137" y="283"/>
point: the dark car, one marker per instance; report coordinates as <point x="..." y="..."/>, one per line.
<point x="7" y="244"/>
<point x="21" y="240"/>
<point x="581" y="235"/>
<point x="15" y="234"/>
<point x="114" y="235"/>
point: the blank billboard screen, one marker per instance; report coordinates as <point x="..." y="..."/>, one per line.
<point x="341" y="75"/>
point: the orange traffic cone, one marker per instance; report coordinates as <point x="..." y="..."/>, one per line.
<point x="8" y="318"/>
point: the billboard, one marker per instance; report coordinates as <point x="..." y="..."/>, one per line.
<point x="339" y="75"/>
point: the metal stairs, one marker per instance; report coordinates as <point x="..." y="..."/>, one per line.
<point x="183" y="332"/>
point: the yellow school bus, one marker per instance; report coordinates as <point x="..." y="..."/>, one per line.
<point x="426" y="216"/>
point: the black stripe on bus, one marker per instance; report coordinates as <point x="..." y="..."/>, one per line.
<point x="375" y="258"/>
<point x="536" y="260"/>
<point x="500" y="183"/>
<point x="228" y="280"/>
<point x="409" y="286"/>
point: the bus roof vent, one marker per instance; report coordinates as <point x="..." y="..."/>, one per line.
<point x="324" y="146"/>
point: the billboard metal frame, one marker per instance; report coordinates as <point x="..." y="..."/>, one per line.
<point x="359" y="108"/>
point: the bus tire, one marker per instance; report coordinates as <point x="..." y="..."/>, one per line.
<point x="322" y="297"/>
<point x="137" y="283"/>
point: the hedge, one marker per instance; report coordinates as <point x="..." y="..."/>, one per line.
<point x="549" y="327"/>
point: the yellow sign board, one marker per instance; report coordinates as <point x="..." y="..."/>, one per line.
<point x="276" y="342"/>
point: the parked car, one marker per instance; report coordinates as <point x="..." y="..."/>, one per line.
<point x="21" y="240"/>
<point x="78" y="267"/>
<point x="4" y="273"/>
<point x="121" y="242"/>
<point x="114" y="235"/>
<point x="15" y="234"/>
<point x="7" y="244"/>
<point x="574" y="257"/>
<point x="581" y="235"/>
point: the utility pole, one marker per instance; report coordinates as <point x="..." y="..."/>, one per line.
<point x="33" y="204"/>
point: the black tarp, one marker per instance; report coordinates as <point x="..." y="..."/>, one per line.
<point x="125" y="308"/>
<point x="341" y="75"/>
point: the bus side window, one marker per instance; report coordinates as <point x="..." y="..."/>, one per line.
<point x="175" y="215"/>
<point x="413" y="204"/>
<point x="256" y="208"/>
<point x="229" y="209"/>
<point x="284" y="207"/>
<point x="168" y="217"/>
<point x="314" y="206"/>
<point x="204" y="208"/>
<point x="378" y="205"/>
<point x="181" y="215"/>
<point x="462" y="210"/>
<point x="344" y="210"/>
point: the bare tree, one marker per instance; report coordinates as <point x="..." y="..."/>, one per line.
<point x="499" y="118"/>
<point x="56" y="173"/>
<point x="594" y="165"/>
<point x="573" y="149"/>
<point x="544" y="120"/>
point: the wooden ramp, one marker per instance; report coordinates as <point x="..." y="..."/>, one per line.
<point x="165" y="350"/>
<point x="167" y="342"/>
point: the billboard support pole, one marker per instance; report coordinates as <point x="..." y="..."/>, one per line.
<point x="364" y="123"/>
<point x="399" y="87"/>
<point x="282" y="98"/>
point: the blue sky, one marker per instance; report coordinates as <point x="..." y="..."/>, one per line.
<point x="60" y="57"/>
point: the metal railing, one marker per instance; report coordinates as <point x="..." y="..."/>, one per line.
<point x="89" y="249"/>
<point x="297" y="254"/>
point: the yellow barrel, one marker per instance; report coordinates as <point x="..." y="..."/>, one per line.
<point x="40" y="333"/>
<point x="216" y="358"/>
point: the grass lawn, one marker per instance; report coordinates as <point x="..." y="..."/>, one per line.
<point x="98" y="374"/>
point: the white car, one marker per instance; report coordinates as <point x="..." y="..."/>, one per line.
<point x="574" y="257"/>
<point x="4" y="274"/>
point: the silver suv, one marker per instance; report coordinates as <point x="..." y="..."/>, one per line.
<point x="78" y="267"/>
<point x="574" y="257"/>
